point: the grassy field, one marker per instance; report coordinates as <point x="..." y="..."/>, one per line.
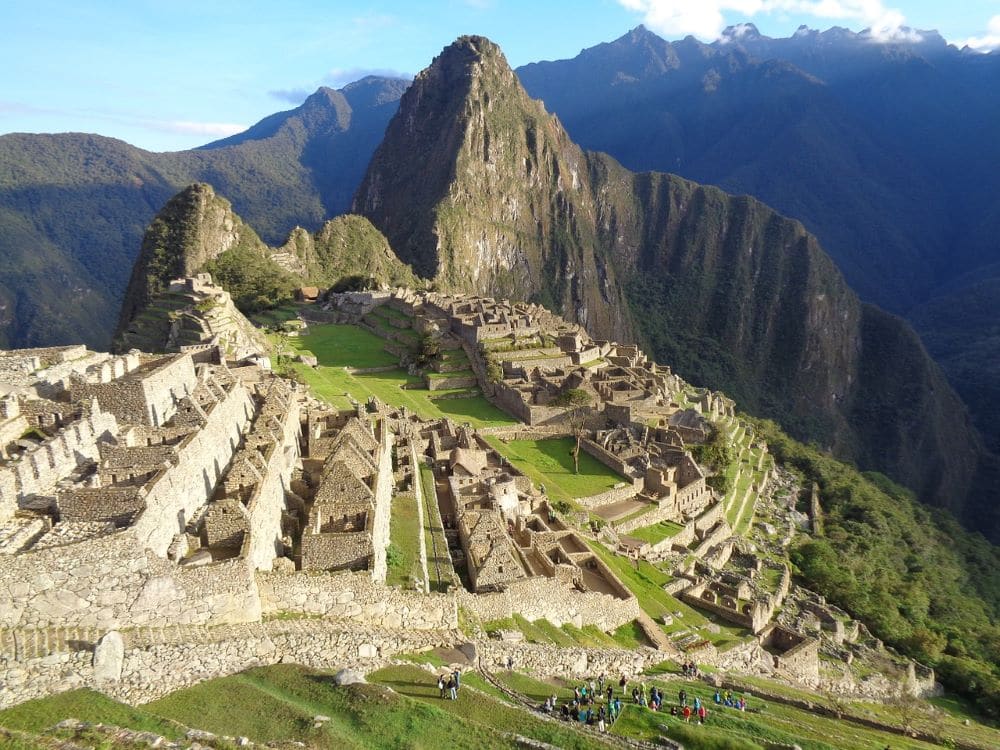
<point x="404" y="563"/>
<point x="550" y="462"/>
<point x="646" y="582"/>
<point x="481" y="711"/>
<point x="86" y="705"/>
<point x="339" y="346"/>
<point x="657" y="532"/>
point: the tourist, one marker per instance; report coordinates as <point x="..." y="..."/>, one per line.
<point x="697" y="703"/>
<point x="458" y="679"/>
<point x="600" y="683"/>
<point x="635" y="695"/>
<point x="510" y="662"/>
<point x="452" y="688"/>
<point x="600" y="720"/>
<point x="593" y="690"/>
<point x="686" y="713"/>
<point x="611" y="692"/>
<point x="618" y="707"/>
<point x="718" y="697"/>
<point x="682" y="697"/>
<point x="702" y="713"/>
<point x="441" y="685"/>
<point x="673" y="710"/>
<point x="565" y="710"/>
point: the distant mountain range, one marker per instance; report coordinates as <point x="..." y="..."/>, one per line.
<point x="73" y="207"/>
<point x="880" y="162"/>
<point x="887" y="152"/>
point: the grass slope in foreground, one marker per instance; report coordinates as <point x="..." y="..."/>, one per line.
<point x="337" y="347"/>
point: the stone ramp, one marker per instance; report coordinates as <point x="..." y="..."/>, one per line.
<point x="37" y="643"/>
<point x="656" y="635"/>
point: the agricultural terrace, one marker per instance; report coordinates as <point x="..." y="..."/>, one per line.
<point x="549" y="462"/>
<point x="340" y="350"/>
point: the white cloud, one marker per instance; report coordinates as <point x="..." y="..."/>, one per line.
<point x="989" y="41"/>
<point x="189" y="127"/>
<point x="705" y="19"/>
<point x="338" y="77"/>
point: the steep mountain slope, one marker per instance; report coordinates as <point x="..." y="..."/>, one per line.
<point x="884" y="151"/>
<point x="198" y="231"/>
<point x="73" y="207"/>
<point x="478" y="188"/>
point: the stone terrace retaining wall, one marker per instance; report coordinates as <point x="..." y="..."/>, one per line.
<point x="549" y="599"/>
<point x="111" y="582"/>
<point x="156" y="662"/>
<point x="567" y="662"/>
<point x="354" y="596"/>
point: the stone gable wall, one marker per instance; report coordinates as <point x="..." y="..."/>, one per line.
<point x="175" y="494"/>
<point x="37" y="471"/>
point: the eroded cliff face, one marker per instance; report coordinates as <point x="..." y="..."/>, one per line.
<point x="480" y="189"/>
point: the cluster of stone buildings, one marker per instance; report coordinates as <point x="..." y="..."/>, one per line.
<point x="192" y="489"/>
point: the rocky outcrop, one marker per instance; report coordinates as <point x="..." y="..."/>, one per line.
<point x="479" y="188"/>
<point x="193" y="228"/>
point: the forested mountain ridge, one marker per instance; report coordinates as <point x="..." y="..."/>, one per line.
<point x="74" y="207"/>
<point x="885" y="151"/>
<point x="479" y="189"/>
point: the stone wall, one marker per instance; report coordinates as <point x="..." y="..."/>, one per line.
<point x="348" y="595"/>
<point x="110" y="582"/>
<point x="614" y="495"/>
<point x="117" y="504"/>
<point x="38" y="470"/>
<point x="268" y="500"/>
<point x="605" y="457"/>
<point x="176" y="493"/>
<point x="574" y="663"/>
<point x="547" y="598"/>
<point x="153" y="663"/>
<point x="383" y="505"/>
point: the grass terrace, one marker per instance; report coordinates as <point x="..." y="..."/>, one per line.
<point x="657" y="532"/>
<point x="339" y="346"/>
<point x="550" y="462"/>
<point x="404" y="542"/>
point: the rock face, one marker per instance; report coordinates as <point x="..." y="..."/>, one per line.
<point x="479" y="188"/>
<point x="109" y="657"/>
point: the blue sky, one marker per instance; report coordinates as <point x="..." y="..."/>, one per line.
<point x="172" y="75"/>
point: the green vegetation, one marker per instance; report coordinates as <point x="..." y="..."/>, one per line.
<point x="482" y="715"/>
<point x="657" y="532"/>
<point x="913" y="575"/>
<point x="340" y="346"/>
<point x="404" y="564"/>
<point x="550" y="463"/>
<point x="254" y="280"/>
<point x="86" y="705"/>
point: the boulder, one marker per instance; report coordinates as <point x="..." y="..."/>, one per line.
<point x="346" y="677"/>
<point x="109" y="657"/>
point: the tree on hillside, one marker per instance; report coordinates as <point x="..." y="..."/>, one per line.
<point x="577" y="402"/>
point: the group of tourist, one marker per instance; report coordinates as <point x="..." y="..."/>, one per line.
<point x="728" y="699"/>
<point x="690" y="669"/>
<point x="448" y="684"/>
<point x="595" y="703"/>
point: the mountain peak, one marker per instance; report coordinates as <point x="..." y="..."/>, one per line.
<point x="743" y="31"/>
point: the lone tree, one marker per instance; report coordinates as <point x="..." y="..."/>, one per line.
<point x="577" y="401"/>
